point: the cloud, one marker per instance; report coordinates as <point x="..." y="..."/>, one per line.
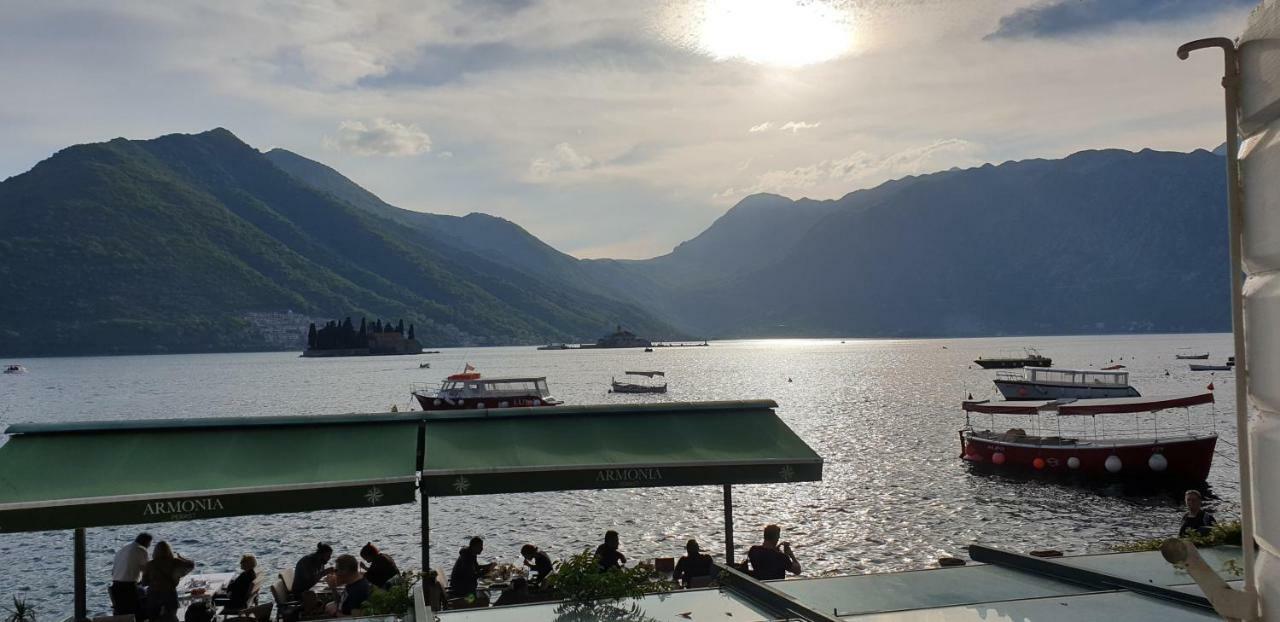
<point x="796" y="126"/>
<point x="444" y="155"/>
<point x="380" y="137"/>
<point x="562" y="158"/>
<point x="760" y="128"/>
<point x="1069" y="17"/>
<point x="836" y="177"/>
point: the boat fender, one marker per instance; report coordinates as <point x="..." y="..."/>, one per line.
<point x="537" y="402"/>
<point x="1113" y="464"/>
<point x="480" y="405"/>
<point x="504" y="404"/>
<point x="1073" y="463"/>
<point x="1038" y="463"/>
<point x="1158" y="462"/>
<point x="997" y="458"/>
<point x="437" y="402"/>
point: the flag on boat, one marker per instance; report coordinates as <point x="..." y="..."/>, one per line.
<point x="468" y="369"/>
<point x="1210" y="387"/>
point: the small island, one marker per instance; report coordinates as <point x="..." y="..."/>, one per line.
<point x="377" y="339"/>
<point x="620" y="338"/>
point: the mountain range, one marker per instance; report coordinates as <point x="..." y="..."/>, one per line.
<point x="202" y="243"/>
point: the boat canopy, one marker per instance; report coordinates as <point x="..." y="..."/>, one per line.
<point x="649" y="374"/>
<point x="478" y="452"/>
<point x="1104" y="406"/>
<point x="1076" y="376"/>
<point x="64" y="476"/>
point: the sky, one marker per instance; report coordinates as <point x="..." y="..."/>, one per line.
<point x="617" y="129"/>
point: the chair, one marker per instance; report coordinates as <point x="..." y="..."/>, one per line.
<point x="285" y="609"/>
<point x="286" y="575"/>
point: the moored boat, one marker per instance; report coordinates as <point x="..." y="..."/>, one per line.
<point x="637" y="385"/>
<point x="1196" y="367"/>
<point x="1031" y="358"/>
<point x="1166" y="451"/>
<point x="1055" y="383"/>
<point x="554" y="346"/>
<point x="469" y="390"/>
<point x="15" y="369"/>
<point x="1192" y="357"/>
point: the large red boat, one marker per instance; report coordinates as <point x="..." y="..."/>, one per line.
<point x="1153" y="443"/>
<point x="469" y="390"/>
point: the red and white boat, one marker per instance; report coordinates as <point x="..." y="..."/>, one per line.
<point x="1158" y="439"/>
<point x="469" y="390"/>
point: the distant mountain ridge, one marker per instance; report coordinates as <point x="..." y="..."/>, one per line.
<point x="1100" y="241"/>
<point x="202" y="243"/>
<point x="169" y="244"/>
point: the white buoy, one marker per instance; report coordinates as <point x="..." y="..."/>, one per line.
<point x="1158" y="462"/>
<point x="1113" y="464"/>
<point x="1073" y="462"/>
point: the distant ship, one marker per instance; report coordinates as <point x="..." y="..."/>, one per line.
<point x="554" y="346"/>
<point x="620" y="339"/>
<point x="1031" y="359"/>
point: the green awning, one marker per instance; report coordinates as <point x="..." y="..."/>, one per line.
<point x="623" y="446"/>
<point x="64" y="476"/>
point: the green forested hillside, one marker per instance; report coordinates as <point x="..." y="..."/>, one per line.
<point x="167" y="244"/>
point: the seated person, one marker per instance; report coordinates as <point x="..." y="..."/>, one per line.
<point x="694" y="564"/>
<point x="769" y="560"/>
<point x="517" y="595"/>
<point x="240" y="589"/>
<point x="538" y="562"/>
<point x="347" y="575"/>
<point x="467" y="571"/>
<point x="310" y="569"/>
<point x="608" y="555"/>
<point x="1197" y="521"/>
<point x="380" y="568"/>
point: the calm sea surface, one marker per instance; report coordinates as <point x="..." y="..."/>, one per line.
<point x="884" y="415"/>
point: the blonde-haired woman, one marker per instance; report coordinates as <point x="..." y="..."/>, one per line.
<point x="161" y="576"/>
<point x="240" y="590"/>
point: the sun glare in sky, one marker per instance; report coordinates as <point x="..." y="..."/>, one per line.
<point x="787" y="33"/>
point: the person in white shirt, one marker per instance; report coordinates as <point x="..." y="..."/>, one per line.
<point x="125" y="572"/>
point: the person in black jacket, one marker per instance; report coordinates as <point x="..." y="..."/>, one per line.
<point x="694" y="564"/>
<point x="240" y="589"/>
<point x="770" y="559"/>
<point x="1197" y="521"/>
<point x="379" y="568"/>
<point x="538" y="562"/>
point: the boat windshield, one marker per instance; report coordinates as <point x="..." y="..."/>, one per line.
<point x="1078" y="376"/>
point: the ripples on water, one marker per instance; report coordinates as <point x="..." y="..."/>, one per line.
<point x="884" y="415"/>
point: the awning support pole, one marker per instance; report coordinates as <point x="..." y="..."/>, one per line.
<point x="426" y="533"/>
<point x="82" y="600"/>
<point x="728" y="523"/>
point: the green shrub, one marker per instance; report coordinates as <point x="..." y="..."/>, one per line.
<point x="1221" y="533"/>
<point x="20" y="612"/>
<point x="396" y="600"/>
<point x="579" y="581"/>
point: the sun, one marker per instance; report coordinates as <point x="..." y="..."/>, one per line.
<point x="786" y="33"/>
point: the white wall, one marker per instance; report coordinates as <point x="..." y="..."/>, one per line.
<point x="1260" y="173"/>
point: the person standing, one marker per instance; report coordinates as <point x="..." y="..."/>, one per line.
<point x="1197" y="521"/>
<point x="467" y="570"/>
<point x="126" y="569"/>
<point x="771" y="560"/>
<point x="310" y="569"/>
<point x="608" y="555"/>
<point x="161" y="577"/>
